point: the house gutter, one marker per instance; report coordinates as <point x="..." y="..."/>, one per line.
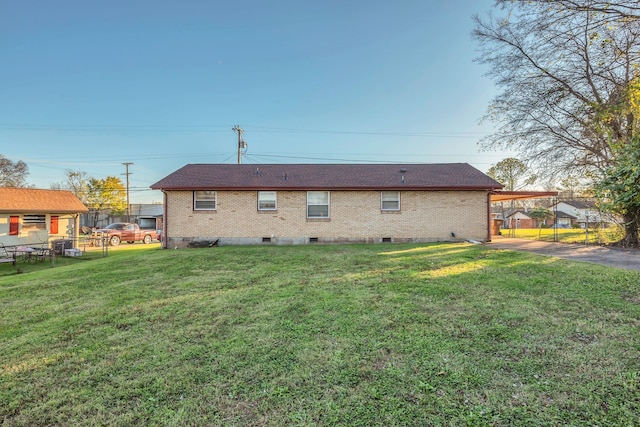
<point x="325" y="188"/>
<point x="164" y="220"/>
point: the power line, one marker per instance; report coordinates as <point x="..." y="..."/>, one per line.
<point x="215" y="128"/>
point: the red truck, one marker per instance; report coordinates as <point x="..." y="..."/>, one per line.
<point x="124" y="232"/>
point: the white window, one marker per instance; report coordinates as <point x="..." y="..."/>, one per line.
<point x="204" y="200"/>
<point x="390" y="200"/>
<point x="317" y="204"/>
<point x="267" y="200"/>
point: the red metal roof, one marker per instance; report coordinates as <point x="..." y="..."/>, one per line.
<point x="30" y="200"/>
<point x="447" y="176"/>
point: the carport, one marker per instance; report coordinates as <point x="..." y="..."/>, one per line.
<point x="511" y="196"/>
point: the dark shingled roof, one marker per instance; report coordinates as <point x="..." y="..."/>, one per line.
<point x="561" y="214"/>
<point x="450" y="176"/>
<point x="30" y="200"/>
<point x="580" y="204"/>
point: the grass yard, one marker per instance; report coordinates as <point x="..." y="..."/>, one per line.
<point x="353" y="335"/>
<point x="597" y="236"/>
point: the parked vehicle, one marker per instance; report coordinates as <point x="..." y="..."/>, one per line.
<point x="124" y="232"/>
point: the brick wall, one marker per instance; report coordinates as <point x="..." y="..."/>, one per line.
<point x="355" y="216"/>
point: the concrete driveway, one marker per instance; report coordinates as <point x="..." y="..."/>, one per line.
<point x="612" y="257"/>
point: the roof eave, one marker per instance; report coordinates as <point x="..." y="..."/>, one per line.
<point x="43" y="211"/>
<point x="332" y="188"/>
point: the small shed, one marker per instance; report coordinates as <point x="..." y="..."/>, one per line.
<point x="31" y="216"/>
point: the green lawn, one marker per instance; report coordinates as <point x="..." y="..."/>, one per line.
<point x="568" y="235"/>
<point x="353" y="335"/>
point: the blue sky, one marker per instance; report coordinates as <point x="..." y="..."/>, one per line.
<point x="90" y="85"/>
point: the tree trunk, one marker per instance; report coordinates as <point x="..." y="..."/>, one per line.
<point x="630" y="239"/>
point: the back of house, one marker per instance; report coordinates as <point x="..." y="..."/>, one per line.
<point x="325" y="203"/>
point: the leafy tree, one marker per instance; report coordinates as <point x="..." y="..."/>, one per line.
<point x="510" y="172"/>
<point x="105" y="194"/>
<point x="77" y="182"/>
<point x="568" y="74"/>
<point x="620" y="190"/>
<point x="13" y="174"/>
<point x="540" y="215"/>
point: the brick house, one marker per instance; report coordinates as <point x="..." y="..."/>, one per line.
<point x="325" y="203"/>
<point x="31" y="216"/>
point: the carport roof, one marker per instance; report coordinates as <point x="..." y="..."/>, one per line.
<point x="503" y="196"/>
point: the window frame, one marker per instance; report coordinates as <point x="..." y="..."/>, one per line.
<point x="202" y="200"/>
<point x="275" y="201"/>
<point x="328" y="205"/>
<point x="382" y="201"/>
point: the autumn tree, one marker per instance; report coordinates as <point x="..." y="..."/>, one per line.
<point x="105" y="194"/>
<point x="13" y="174"/>
<point x="567" y="74"/>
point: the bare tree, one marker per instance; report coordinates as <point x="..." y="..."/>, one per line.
<point x="618" y="9"/>
<point x="566" y="72"/>
<point x="13" y="174"/>
<point x="77" y="182"/>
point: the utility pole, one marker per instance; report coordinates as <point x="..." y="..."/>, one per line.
<point x="127" y="173"/>
<point x="241" y="143"/>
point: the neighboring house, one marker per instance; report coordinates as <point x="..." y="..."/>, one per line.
<point x="564" y="220"/>
<point x="325" y="203"/>
<point x="585" y="212"/>
<point x="38" y="217"/>
<point x="147" y="216"/>
<point x="520" y="219"/>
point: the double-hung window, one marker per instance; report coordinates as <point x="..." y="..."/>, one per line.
<point x="267" y="201"/>
<point x="204" y="200"/>
<point x="317" y="204"/>
<point x="390" y="200"/>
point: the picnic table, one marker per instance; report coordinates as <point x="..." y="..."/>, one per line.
<point x="23" y="254"/>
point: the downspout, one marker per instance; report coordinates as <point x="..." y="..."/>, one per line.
<point x="488" y="216"/>
<point x="76" y="230"/>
